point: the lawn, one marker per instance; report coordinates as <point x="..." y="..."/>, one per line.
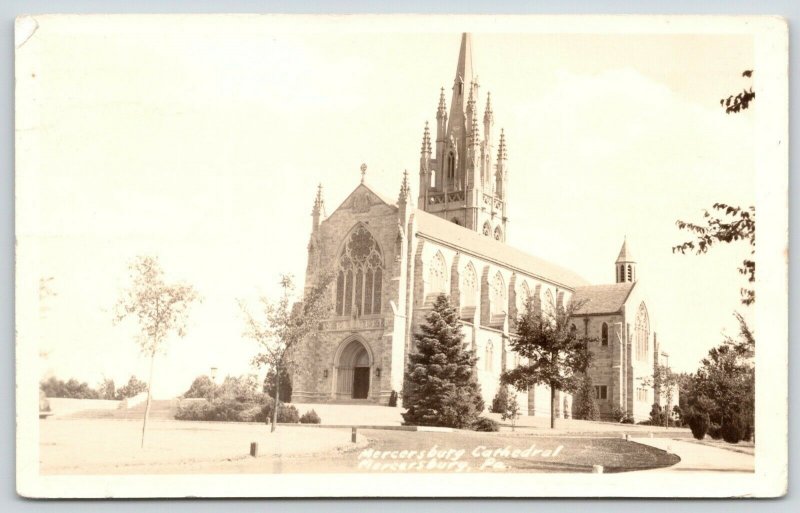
<point x="173" y="447"/>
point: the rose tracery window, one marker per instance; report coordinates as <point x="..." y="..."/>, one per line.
<point x="359" y="281"/>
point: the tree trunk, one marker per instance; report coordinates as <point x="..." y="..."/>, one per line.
<point x="149" y="396"/>
<point x="277" y="396"/>
<point x="552" y="406"/>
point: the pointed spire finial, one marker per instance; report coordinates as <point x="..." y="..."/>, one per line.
<point x="502" y="151"/>
<point x="363" y="172"/>
<point x="319" y="203"/>
<point x="441" y="111"/>
<point x="405" y="189"/>
<point x="488" y="115"/>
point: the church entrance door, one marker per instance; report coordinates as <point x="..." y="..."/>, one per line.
<point x="360" y="382"/>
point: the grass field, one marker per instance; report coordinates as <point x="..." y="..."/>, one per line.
<point x="95" y="446"/>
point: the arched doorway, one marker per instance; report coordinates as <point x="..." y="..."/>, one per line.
<point x="353" y="371"/>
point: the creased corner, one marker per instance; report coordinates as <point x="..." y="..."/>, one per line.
<point x="24" y="28"/>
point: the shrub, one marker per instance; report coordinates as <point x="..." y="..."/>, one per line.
<point x="195" y="410"/>
<point x="251" y="414"/>
<point x="714" y="431"/>
<point x="627" y="418"/>
<point x="485" y="424"/>
<point x="748" y="432"/>
<point x="500" y="401"/>
<point x="732" y="430"/>
<point x="288" y="414"/>
<point x="699" y="424"/>
<point x="310" y="417"/>
<point x="617" y="414"/>
<point x="393" y="399"/>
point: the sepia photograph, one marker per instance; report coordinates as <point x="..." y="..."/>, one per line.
<point x="385" y="255"/>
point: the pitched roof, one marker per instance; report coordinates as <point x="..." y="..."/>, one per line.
<point x="602" y="299"/>
<point x="466" y="240"/>
<point x="625" y="254"/>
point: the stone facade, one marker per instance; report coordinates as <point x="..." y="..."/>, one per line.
<point x="390" y="260"/>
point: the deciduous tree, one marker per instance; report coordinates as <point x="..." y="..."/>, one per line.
<point x="284" y="326"/>
<point x="555" y="354"/>
<point x="160" y="308"/>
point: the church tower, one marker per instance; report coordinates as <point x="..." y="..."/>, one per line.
<point x="463" y="181"/>
<point x="625" y="265"/>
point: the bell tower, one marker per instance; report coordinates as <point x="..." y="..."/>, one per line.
<point x="625" y="264"/>
<point x="463" y="181"/>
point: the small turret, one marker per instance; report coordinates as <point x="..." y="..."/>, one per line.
<point x="625" y="264"/>
<point x="501" y="177"/>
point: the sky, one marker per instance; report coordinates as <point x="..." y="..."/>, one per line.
<point x="202" y="141"/>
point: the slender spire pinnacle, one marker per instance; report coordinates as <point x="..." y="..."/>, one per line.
<point x="426" y="140"/>
<point x="319" y="203"/>
<point x="405" y="189"/>
<point x="488" y="116"/>
<point x="502" y="151"/>
<point x="442" y="110"/>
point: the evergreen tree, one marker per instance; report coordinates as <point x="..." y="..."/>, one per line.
<point x="586" y="407"/>
<point x="441" y="388"/>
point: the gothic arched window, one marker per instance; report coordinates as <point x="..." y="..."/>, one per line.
<point x="451" y="167"/>
<point x="359" y="282"/>
<point x="523" y="297"/>
<point x="498" y="294"/>
<point x="604" y="335"/>
<point x="437" y="277"/>
<point x="498" y="234"/>
<point x="469" y="286"/>
<point x="487" y="229"/>
<point x="549" y="306"/>
<point x="642" y="333"/>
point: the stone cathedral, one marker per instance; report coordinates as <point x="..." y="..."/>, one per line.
<point x="391" y="259"/>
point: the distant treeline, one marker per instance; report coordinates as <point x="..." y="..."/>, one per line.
<point x="74" y="389"/>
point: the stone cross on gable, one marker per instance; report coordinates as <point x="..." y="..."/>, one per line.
<point x="363" y="172"/>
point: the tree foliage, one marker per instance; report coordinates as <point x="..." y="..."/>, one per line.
<point x="441" y="386"/>
<point x="741" y="101"/>
<point x="160" y="308"/>
<point x="201" y="388"/>
<point x="132" y="388"/>
<point x="72" y="389"/>
<point x="553" y="352"/>
<point x="283" y="326"/>
<point x="730" y="225"/>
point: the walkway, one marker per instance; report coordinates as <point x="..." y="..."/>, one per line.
<point x="699" y="457"/>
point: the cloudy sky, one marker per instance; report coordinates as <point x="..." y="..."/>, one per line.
<point x="202" y="141"/>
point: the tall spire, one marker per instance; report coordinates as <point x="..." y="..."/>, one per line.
<point x="488" y="115"/>
<point x="463" y="79"/>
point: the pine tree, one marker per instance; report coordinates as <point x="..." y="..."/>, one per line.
<point x="441" y="387"/>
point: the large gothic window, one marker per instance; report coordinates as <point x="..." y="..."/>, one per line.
<point x="498" y="297"/>
<point x="523" y="297"/>
<point x="642" y="333"/>
<point x="604" y="335"/>
<point x="437" y="275"/>
<point x="359" y="281"/>
<point x="469" y="286"/>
